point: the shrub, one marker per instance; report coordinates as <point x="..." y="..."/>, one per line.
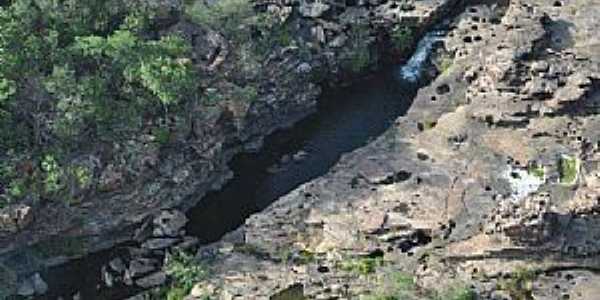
<point x="185" y="270"/>
<point x="568" y="168"/>
<point x="537" y="170"/>
<point x="520" y="284"/>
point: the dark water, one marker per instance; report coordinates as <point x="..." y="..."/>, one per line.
<point x="347" y="119"/>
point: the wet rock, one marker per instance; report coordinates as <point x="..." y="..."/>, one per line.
<point x="169" y="223"/>
<point x="152" y="280"/>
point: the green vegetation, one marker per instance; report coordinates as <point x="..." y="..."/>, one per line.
<point x="401" y="286"/>
<point x="238" y="20"/>
<point x="72" y="72"/>
<point x="568" y="168"/>
<point x="445" y="63"/>
<point x="185" y="271"/>
<point x="402" y="38"/>
<point x="536" y="170"/>
<point x="362" y="265"/>
<point x="520" y="284"/>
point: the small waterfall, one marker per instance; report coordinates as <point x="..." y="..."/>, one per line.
<point x="411" y="71"/>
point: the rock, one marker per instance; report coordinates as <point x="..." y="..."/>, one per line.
<point x="111" y="178"/>
<point x="169" y="223"/>
<point x="500" y="295"/>
<point x="107" y="277"/>
<point x="313" y="10"/>
<point x="303" y="68"/>
<point x="540" y="67"/>
<point x="26" y="288"/>
<point x="319" y="33"/>
<point x="189" y="242"/>
<point x="285" y="159"/>
<point x="202" y="290"/>
<point x="117" y="265"/>
<point x="15" y="217"/>
<point x="300" y="155"/>
<point x="338" y="41"/>
<point x="33" y="285"/>
<point x="141" y="266"/>
<point x="159" y="243"/>
<point x="141" y="296"/>
<point x="39" y="285"/>
<point x="152" y="280"/>
<point x="144" y="232"/>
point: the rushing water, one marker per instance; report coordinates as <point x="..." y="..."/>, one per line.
<point x="347" y="118"/>
<point x="413" y="69"/>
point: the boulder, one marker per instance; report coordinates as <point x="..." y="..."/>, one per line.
<point x="152" y="280"/>
<point x="141" y="266"/>
<point x="169" y="223"/>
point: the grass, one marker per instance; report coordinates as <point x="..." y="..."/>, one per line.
<point x="568" y="168"/>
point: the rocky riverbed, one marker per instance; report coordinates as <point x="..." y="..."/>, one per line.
<point x="331" y="45"/>
<point x="488" y="182"/>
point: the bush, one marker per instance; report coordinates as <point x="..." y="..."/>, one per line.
<point x="568" y="168"/>
<point x="72" y="72"/>
<point x="185" y="271"/>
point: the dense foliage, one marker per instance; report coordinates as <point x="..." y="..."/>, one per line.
<point x="76" y="71"/>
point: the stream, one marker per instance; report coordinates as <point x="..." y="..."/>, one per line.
<point x="347" y="118"/>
